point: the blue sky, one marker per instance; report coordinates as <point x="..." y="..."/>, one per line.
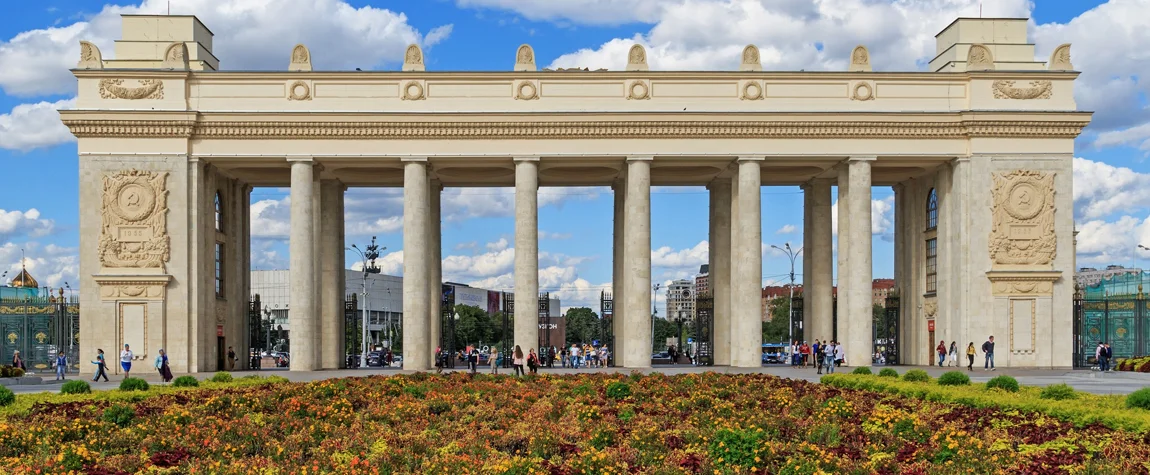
<point x="39" y="42"/>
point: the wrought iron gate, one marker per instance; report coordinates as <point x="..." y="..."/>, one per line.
<point x="544" y="320"/>
<point x="835" y="318"/>
<point x="39" y="328"/>
<point x="508" y="335"/>
<point x="886" y="331"/>
<point x="352" y="331"/>
<point x="797" y="318"/>
<point x="606" y="330"/>
<point x="447" y="325"/>
<point x="258" y="332"/>
<point x="704" y="328"/>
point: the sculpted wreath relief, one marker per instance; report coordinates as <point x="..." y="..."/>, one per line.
<point x="1023" y="211"/>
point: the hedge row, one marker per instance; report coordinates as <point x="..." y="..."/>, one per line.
<point x="1084" y="409"/>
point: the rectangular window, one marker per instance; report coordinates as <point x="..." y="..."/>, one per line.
<point x="931" y="266"/>
<point x="220" y="269"/>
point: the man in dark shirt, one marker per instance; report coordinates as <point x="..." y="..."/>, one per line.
<point x="988" y="349"/>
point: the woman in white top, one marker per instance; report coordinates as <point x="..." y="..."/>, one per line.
<point x="492" y="358"/>
<point x="126" y="361"/>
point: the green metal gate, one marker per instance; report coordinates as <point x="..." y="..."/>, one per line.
<point x="39" y="328"/>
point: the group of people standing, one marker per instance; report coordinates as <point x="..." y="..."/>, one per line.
<point x="823" y="355"/>
<point x="1103" y="355"/>
<point x="987" y="350"/>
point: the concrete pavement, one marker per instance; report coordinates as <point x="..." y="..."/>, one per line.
<point x="1082" y="380"/>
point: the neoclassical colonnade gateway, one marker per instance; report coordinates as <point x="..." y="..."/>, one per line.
<point x="978" y="152"/>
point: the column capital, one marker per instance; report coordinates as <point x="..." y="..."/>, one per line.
<point x="413" y="159"/>
<point x="640" y="158"/>
<point x="300" y="159"/>
<point x="861" y="158"/>
<point x="751" y="158"/>
<point x="961" y="160"/>
<point x="525" y="158"/>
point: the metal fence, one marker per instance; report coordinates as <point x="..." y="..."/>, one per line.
<point x="1121" y="322"/>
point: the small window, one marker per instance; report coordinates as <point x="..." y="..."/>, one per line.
<point x="220" y="269"/>
<point x="931" y="266"/>
<point x="219" y="212"/>
<point x="932" y="210"/>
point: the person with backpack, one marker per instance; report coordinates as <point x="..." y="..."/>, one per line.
<point x="988" y="350"/>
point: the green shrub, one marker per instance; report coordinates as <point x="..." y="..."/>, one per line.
<point x="120" y="414"/>
<point x="861" y="370"/>
<point x="916" y="375"/>
<point x="1139" y="399"/>
<point x="7" y="397"/>
<point x="618" y="390"/>
<point x="186" y="382"/>
<point x="1004" y="382"/>
<point x="954" y="378"/>
<point x="222" y="377"/>
<point x="417" y="391"/>
<point x="275" y="379"/>
<point x="75" y="386"/>
<point x="888" y="373"/>
<point x="739" y="447"/>
<point x="1058" y="392"/>
<point x="133" y="384"/>
<point x="10" y="372"/>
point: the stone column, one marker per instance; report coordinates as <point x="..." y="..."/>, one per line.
<point x="617" y="273"/>
<point x="819" y="300"/>
<point x="435" y="260"/>
<point x="859" y="338"/>
<point x="808" y="315"/>
<point x="637" y="265"/>
<point x="527" y="252"/>
<point x="842" y="302"/>
<point x="302" y="264"/>
<point x="317" y="276"/>
<point x="720" y="268"/>
<point x="417" y="347"/>
<point x="746" y="319"/>
<point x="331" y="262"/>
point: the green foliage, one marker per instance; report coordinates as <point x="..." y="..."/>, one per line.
<point x="222" y="377"/>
<point x="438" y="407"/>
<point x="581" y="325"/>
<point x="862" y="370"/>
<point x="1058" y="392"/>
<point x="119" y="414"/>
<point x="10" y="372"/>
<point x="954" y="378"/>
<point x="417" y="391"/>
<point x="186" y="382"/>
<point x="75" y="386"/>
<point x="626" y="414"/>
<point x="888" y="373"/>
<point x="738" y="447"/>
<point x="1139" y="399"/>
<point x="664" y="329"/>
<point x="916" y="375"/>
<point x="133" y="384"/>
<point x="7" y="397"/>
<point x="775" y="330"/>
<point x="1085" y="410"/>
<point x="1004" y="382"/>
<point x="474" y="325"/>
<point x="618" y="390"/>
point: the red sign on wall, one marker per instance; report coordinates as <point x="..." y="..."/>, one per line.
<point x="220" y="329"/>
<point x="930" y="325"/>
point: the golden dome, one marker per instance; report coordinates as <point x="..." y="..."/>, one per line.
<point x="25" y="280"/>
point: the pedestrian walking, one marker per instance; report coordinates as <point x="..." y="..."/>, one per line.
<point x="532" y="361"/>
<point x="817" y="354"/>
<point x="61" y="365"/>
<point x="805" y="351"/>
<point x="231" y="359"/>
<point x="473" y="360"/>
<point x="162" y="366"/>
<point x="126" y="361"/>
<point x="439" y="360"/>
<point x="1109" y="358"/>
<point x="941" y="350"/>
<point x="970" y="357"/>
<point x="493" y="358"/>
<point x="988" y="350"/>
<point x="954" y="353"/>
<point x="517" y="361"/>
<point x="101" y="366"/>
<point x="830" y="358"/>
<point x="840" y="354"/>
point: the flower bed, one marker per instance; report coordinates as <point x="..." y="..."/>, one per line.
<point x="593" y="423"/>
<point x="1140" y="364"/>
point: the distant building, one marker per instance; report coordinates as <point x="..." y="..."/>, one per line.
<point x="680" y="300"/>
<point x="703" y="279"/>
<point x="881" y="289"/>
<point x="1113" y="281"/>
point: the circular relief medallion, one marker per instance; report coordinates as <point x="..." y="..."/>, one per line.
<point x="413" y="91"/>
<point x="299" y="91"/>
<point x="863" y="92"/>
<point x="752" y="91"/>
<point x="1025" y="201"/>
<point x="526" y="90"/>
<point x="134" y="201"/>
<point x="638" y="90"/>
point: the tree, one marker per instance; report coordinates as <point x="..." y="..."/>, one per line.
<point x="473" y="327"/>
<point x="664" y="329"/>
<point x="775" y="330"/>
<point x="581" y="325"/>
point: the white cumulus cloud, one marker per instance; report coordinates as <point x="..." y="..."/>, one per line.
<point x="29" y="126"/>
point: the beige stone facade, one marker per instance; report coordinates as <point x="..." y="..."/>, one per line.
<point x="162" y="134"/>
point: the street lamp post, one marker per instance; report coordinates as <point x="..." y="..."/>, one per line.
<point x="792" y="254"/>
<point x="371" y="254"/>
<point x="654" y="311"/>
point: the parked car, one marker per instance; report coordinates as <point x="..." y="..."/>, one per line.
<point x="661" y="358"/>
<point x="774" y="353"/>
<point x="376" y="358"/>
<point x="283" y="360"/>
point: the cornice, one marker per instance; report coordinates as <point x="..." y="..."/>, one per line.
<point x="331" y="128"/>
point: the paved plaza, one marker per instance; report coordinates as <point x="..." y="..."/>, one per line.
<point x="1082" y="380"/>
